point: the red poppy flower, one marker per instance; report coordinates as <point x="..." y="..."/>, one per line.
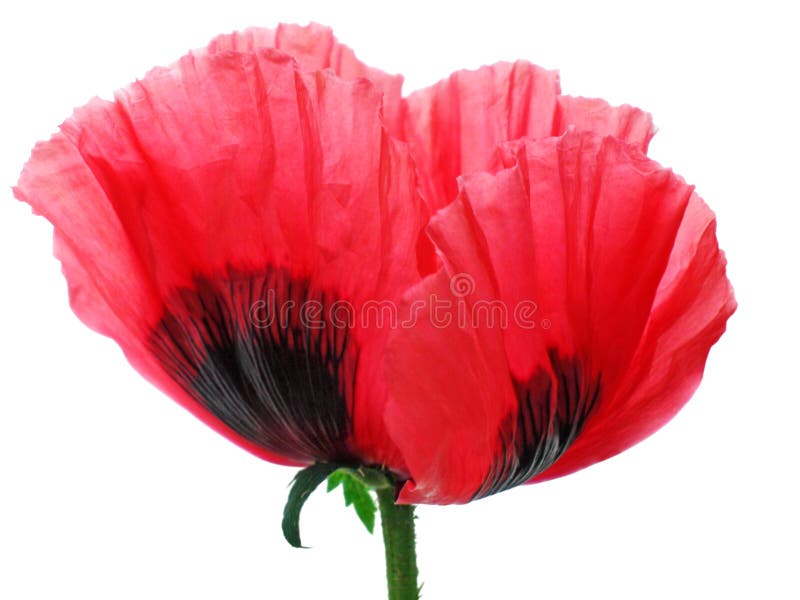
<point x="225" y="218"/>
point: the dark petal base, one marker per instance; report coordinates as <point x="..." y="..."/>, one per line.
<point x="259" y="351"/>
<point x="543" y="427"/>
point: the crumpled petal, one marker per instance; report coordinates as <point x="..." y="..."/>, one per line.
<point x="231" y="162"/>
<point x="693" y="302"/>
<point x="629" y="290"/>
<point x="454" y="126"/>
<point x="315" y="48"/>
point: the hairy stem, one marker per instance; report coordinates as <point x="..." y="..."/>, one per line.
<point x="397" y="522"/>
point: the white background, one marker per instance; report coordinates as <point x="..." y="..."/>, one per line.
<point x="110" y="490"/>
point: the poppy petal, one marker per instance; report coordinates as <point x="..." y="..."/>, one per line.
<point x="593" y="200"/>
<point x="315" y="48"/>
<point x="625" y="122"/>
<point x="109" y="288"/>
<point x="582" y="203"/>
<point x="447" y="380"/>
<point x="455" y="125"/>
<point x="693" y="303"/>
<point x="502" y="212"/>
<point x="224" y="181"/>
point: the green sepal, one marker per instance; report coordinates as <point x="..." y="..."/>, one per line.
<point x="305" y="482"/>
<point x="356" y="493"/>
<point x="373" y="478"/>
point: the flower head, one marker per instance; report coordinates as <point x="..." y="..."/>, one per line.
<point x="237" y="222"/>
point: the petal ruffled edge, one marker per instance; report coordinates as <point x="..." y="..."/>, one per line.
<point x="315" y="48"/>
<point x="455" y="126"/>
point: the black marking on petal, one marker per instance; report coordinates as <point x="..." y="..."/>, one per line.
<point x="551" y="412"/>
<point x="259" y="352"/>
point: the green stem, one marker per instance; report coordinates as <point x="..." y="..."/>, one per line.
<point x="397" y="522"/>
